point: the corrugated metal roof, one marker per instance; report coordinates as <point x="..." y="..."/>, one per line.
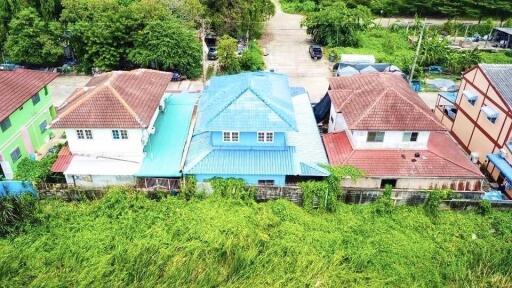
<point x="164" y="150"/>
<point x="500" y="75"/>
<point x="245" y="162"/>
<point x="310" y="151"/>
<point x="247" y="102"/>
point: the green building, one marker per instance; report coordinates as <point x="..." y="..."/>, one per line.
<point x="25" y="111"/>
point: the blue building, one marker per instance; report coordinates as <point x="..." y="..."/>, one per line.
<point x="256" y="127"/>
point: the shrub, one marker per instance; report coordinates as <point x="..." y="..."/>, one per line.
<point x="15" y="211"/>
<point x="34" y="170"/>
<point x="485" y="207"/>
<point x="252" y="58"/>
<point x="188" y="189"/>
<point x="317" y="195"/>
<point x="384" y="205"/>
<point x="435" y="197"/>
<point x="232" y="188"/>
<point x="227" y="53"/>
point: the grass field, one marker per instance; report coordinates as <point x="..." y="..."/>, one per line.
<point x="127" y="240"/>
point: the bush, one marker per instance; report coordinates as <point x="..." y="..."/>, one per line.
<point x="16" y="211"/>
<point x="252" y="58"/>
<point x="232" y="188"/>
<point x="188" y="189"/>
<point x="34" y="170"/>
<point x="435" y="197"/>
<point x="485" y="207"/>
<point x="227" y="53"/>
<point x="384" y="205"/>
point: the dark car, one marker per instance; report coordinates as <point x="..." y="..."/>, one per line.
<point x="212" y="53"/>
<point x="315" y="51"/>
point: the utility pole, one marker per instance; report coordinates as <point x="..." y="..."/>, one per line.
<point x="417" y="52"/>
<point x="205" y="49"/>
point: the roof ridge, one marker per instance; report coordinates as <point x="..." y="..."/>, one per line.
<point x="429" y="115"/>
<point x="227" y="105"/>
<point x="369" y="108"/>
<point x="78" y="102"/>
<point x="269" y="106"/>
<point x="123" y="102"/>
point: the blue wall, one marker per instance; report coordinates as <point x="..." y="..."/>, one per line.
<point x="248" y="140"/>
<point x="250" y="179"/>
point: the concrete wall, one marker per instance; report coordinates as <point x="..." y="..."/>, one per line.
<point x="99" y="181"/>
<point x="337" y="122"/>
<point x="418" y="183"/>
<point x="392" y="140"/>
<point x="103" y="143"/>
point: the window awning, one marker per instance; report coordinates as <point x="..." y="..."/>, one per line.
<point x="502" y="165"/>
<point x="469" y="95"/>
<point x="490" y="112"/>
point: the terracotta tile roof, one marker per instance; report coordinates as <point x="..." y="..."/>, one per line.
<point x="443" y="158"/>
<point x="380" y="101"/>
<point x="119" y="99"/>
<point x="18" y="86"/>
<point x="63" y="160"/>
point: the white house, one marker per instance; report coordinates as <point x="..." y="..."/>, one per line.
<point x="378" y="124"/>
<point x="107" y="123"/>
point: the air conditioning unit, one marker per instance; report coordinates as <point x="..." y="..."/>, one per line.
<point x="152" y="130"/>
<point x="161" y="107"/>
<point x="474" y="157"/>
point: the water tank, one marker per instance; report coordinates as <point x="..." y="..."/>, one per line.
<point x="474" y="157"/>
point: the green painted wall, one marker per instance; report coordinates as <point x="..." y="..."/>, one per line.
<point x="29" y="116"/>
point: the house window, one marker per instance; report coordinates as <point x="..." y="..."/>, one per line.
<point x="42" y="126"/>
<point x="230" y="136"/>
<point x="490" y="113"/>
<point x="386" y="182"/>
<point x="119" y="134"/>
<point x="266" y="182"/>
<point x="88" y="134"/>
<point x="470" y="96"/>
<point x="266" y="137"/>
<point x="410" y="137"/>
<point x="375" y="137"/>
<point x="16" y="154"/>
<point x="5" y="124"/>
<point x="36" y="99"/>
<point x="80" y="134"/>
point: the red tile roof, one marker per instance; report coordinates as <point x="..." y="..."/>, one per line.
<point x="63" y="160"/>
<point x="443" y="158"/>
<point x="380" y="101"/>
<point x="18" y="86"/>
<point x="119" y="99"/>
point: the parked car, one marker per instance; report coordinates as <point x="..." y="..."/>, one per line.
<point x="315" y="51"/>
<point x="212" y="53"/>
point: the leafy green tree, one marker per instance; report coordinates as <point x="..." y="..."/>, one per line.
<point x="168" y="45"/>
<point x="35" y="170"/>
<point x="338" y="25"/>
<point x="227" y="53"/>
<point x="252" y="58"/>
<point x="32" y="41"/>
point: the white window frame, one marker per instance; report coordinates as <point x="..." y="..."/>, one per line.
<point x="115" y="133"/>
<point x="376" y="133"/>
<point x="80" y="134"/>
<point x="266" y="182"/>
<point x="409" y="136"/>
<point x="266" y="136"/>
<point x="230" y="138"/>
<point x="88" y="134"/>
<point x="124" y="134"/>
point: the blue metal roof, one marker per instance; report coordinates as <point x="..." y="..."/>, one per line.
<point x="245" y="162"/>
<point x="164" y="150"/>
<point x="251" y="101"/>
<point x="502" y="165"/>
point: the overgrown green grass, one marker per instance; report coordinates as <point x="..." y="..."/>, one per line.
<point x="385" y="45"/>
<point x="496" y="58"/>
<point x="128" y="240"/>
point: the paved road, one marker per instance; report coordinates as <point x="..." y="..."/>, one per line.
<point x="63" y="86"/>
<point x="287" y="44"/>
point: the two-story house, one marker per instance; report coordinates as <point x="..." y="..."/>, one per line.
<point x="378" y="124"/>
<point x="256" y="127"/>
<point x="480" y="117"/>
<point x="107" y="124"/>
<point x="25" y="111"/>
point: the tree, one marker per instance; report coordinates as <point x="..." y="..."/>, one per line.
<point x="227" y="53"/>
<point x="32" y="41"/>
<point x="338" y="25"/>
<point x="168" y="45"/>
<point x="252" y="58"/>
